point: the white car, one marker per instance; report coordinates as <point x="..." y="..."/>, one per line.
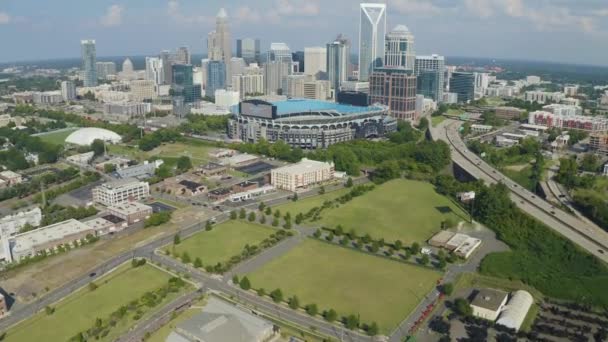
<point x="426" y="251"/>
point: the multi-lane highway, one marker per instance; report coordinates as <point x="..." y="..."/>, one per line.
<point x="588" y="237"/>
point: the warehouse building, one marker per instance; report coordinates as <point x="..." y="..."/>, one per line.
<point x="305" y="173"/>
<point x="515" y="311"/>
<point x="121" y="191"/>
<point x="11" y="224"/>
<point x="47" y="238"/>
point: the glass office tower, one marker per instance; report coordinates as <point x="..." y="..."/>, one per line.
<point x="372" y="29"/>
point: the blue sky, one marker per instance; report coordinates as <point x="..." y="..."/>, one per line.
<point x="555" y="30"/>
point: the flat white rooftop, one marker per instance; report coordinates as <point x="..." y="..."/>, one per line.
<point x="57" y="231"/>
<point x="306" y="165"/>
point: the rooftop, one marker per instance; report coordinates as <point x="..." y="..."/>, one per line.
<point x="489" y="299"/>
<point x="120" y="183"/>
<point x="293" y="106"/>
<point x="49" y="233"/>
<point x="303" y="166"/>
<point x="129" y="208"/>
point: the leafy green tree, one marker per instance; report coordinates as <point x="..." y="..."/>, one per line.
<point x="208" y="225"/>
<point x="235" y="279"/>
<point x="462" y="307"/>
<point x="184" y="163"/>
<point x="275" y="222"/>
<point x="287" y="225"/>
<point x="276" y="295"/>
<point x="312" y="309"/>
<point x="299" y="218"/>
<point x="245" y="284"/>
<point x="242" y="213"/>
<point x="415" y="248"/>
<point x="268" y="211"/>
<point x="198" y="263"/>
<point x="261" y="292"/>
<point x="424" y="260"/>
<point x="351" y="322"/>
<point x="349" y="182"/>
<point x="176" y="239"/>
<point x="447" y="289"/>
<point x="398" y="244"/>
<point x="109" y="168"/>
<point x="261" y="206"/>
<point x="294" y="302"/>
<point x="186" y="258"/>
<point x="98" y="147"/>
<point x="372" y="329"/>
<point x="277" y="213"/>
<point x="294" y="198"/>
<point x="251" y="217"/>
<point x="233" y="215"/>
<point x="263" y="219"/>
<point x="317" y="233"/>
<point x="322" y="190"/>
<point x="331" y="315"/>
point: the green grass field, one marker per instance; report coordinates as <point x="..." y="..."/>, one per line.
<point x="405" y="210"/>
<point x="57" y="138"/>
<point x="79" y="311"/>
<point x="348" y="281"/>
<point x="168" y="152"/>
<point x="224" y="241"/>
<point x="304" y="205"/>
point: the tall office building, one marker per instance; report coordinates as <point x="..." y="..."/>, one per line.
<point x="396" y="88"/>
<point x="482" y="81"/>
<point x="105" y="69"/>
<point x="237" y="65"/>
<point x="183" y="83"/>
<point x="372" y="28"/>
<point x="216" y="77"/>
<point x="154" y="70"/>
<point x="218" y="44"/>
<point x="182" y="56"/>
<point x="299" y="61"/>
<point x="278" y="65"/>
<point x="251" y="82"/>
<point x="89" y="60"/>
<point x="248" y="49"/>
<point x="165" y="57"/>
<point x="399" y="48"/>
<point x="315" y="61"/>
<point x="68" y="90"/>
<point x="463" y="84"/>
<point x="338" y="54"/>
<point x="430" y="85"/>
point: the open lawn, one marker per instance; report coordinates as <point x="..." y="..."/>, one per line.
<point x="348" y="281"/>
<point x="224" y="241"/>
<point x="436" y="120"/>
<point x="169" y="152"/>
<point x="405" y="210"/>
<point x="454" y="111"/>
<point x="57" y="138"/>
<point x="79" y="311"/>
<point x="304" y="205"/>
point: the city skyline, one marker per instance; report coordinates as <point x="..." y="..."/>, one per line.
<point x="437" y="27"/>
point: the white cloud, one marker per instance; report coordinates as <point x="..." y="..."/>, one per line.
<point x="246" y="14"/>
<point x="421" y="7"/>
<point x="602" y="13"/>
<point x="544" y="17"/>
<point x="174" y="12"/>
<point x="4" y="18"/>
<point x="297" y="7"/>
<point x="113" y="16"/>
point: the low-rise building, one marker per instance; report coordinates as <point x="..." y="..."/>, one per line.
<point x="101" y="226"/>
<point x="131" y="212"/>
<point x="81" y="159"/>
<point x="129" y="109"/>
<point x="47" y="238"/>
<point x="3" y="306"/>
<point x="222" y="322"/>
<point x="219" y="195"/>
<point x="221" y="153"/>
<point x="591" y="124"/>
<point x="118" y="163"/>
<point x="514" y="313"/>
<point x="11" y="224"/>
<point x="251" y="193"/>
<point x="488" y="303"/>
<point x="461" y="245"/>
<point x="180" y="186"/>
<point x="480" y="129"/>
<point x="543" y="96"/>
<point x="509" y="113"/>
<point x="11" y="178"/>
<point x="211" y="169"/>
<point x="121" y="191"/>
<point x="47" y="97"/>
<point x="305" y="173"/>
<point x="465" y="249"/>
<point x="239" y="160"/>
<point x="140" y="171"/>
<point x="244" y="186"/>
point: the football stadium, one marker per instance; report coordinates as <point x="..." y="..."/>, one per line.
<point x="308" y="124"/>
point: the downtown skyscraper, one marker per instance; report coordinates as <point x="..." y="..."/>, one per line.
<point x="218" y="44"/>
<point x="89" y="63"/>
<point x="248" y="49"/>
<point x="372" y="28"/>
<point x="338" y="56"/>
<point x="399" y="48"/>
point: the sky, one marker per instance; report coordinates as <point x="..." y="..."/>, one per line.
<point x="569" y="31"/>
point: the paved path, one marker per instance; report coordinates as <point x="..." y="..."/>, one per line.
<point x="587" y="237"/>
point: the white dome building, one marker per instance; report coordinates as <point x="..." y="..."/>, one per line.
<point x="127" y="66"/>
<point x="516" y="310"/>
<point x="86" y="136"/>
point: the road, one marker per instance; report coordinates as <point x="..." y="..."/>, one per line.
<point x="206" y="281"/>
<point x="592" y="239"/>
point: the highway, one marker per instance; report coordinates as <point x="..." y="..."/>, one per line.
<point x="590" y="238"/>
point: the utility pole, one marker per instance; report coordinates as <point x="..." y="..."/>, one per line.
<point x="43" y="203"/>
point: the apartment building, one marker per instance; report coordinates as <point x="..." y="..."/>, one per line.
<point x="117" y="192"/>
